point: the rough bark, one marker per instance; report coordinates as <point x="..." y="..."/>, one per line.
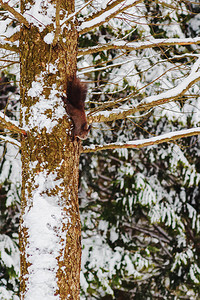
<point x="49" y="152"/>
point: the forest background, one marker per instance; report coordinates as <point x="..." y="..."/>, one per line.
<point x="140" y="206"/>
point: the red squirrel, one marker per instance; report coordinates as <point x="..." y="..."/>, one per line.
<point x="74" y="105"/>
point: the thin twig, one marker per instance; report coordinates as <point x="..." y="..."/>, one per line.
<point x="71" y="16"/>
<point x="151" y="101"/>
<point x="104" y="15"/>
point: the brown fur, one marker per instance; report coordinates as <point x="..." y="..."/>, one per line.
<point x="74" y="105"/>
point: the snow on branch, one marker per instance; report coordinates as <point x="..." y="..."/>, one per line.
<point x="104" y="15"/>
<point x="10" y="125"/>
<point x="167" y="137"/>
<point x="152" y="101"/>
<point x="8" y="45"/>
<point x="10" y="140"/>
<point x="15" y="13"/>
<point x="140" y="45"/>
<point x="71" y="16"/>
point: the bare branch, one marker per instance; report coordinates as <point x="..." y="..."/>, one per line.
<point x="15" y="13"/>
<point x="10" y="125"/>
<point x="147" y="231"/>
<point x="106" y="14"/>
<point x="151" y="101"/>
<point x="9" y="61"/>
<point x="167" y="137"/>
<point x="140" y="45"/>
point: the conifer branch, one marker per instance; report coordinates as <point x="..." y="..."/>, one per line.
<point x="167" y="137"/>
<point x="15" y="13"/>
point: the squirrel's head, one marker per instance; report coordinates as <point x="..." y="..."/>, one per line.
<point x="84" y="131"/>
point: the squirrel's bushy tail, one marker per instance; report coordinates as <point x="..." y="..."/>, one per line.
<point x="76" y="93"/>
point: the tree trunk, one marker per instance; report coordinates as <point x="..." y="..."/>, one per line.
<point x="50" y="230"/>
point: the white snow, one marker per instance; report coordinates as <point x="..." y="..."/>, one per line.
<point x="44" y="221"/>
<point x="10" y="140"/>
<point x="103" y="17"/>
<point x="41" y="13"/>
<point x="49" y="38"/>
<point x="37" y="116"/>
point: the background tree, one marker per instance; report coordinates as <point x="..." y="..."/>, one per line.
<point x="10" y="178"/>
<point x="141" y="226"/>
<point x="141" y="222"/>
